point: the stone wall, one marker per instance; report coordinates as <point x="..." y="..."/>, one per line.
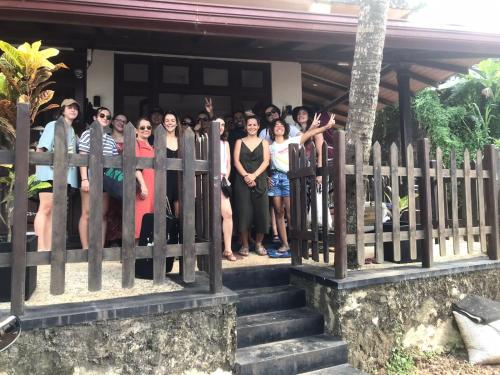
<point x="370" y="318"/>
<point x="169" y="343"/>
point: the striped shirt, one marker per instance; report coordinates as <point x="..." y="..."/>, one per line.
<point x="108" y="144"/>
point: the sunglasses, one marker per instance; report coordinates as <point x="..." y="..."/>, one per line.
<point x="102" y="115"/>
<point x="186" y="123"/>
<point x="120" y="120"/>
<point x="148" y="127"/>
<point x="271" y="112"/>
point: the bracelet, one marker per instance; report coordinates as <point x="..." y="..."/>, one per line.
<point x="84" y="179"/>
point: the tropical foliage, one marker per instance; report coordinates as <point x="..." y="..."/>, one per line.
<point x="464" y="115"/>
<point x="25" y="74"/>
<point x="7" y="181"/>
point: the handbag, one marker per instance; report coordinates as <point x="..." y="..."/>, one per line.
<point x="226" y="187"/>
<point x="112" y="183"/>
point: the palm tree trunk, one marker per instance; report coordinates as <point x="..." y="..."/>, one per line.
<point x="363" y="95"/>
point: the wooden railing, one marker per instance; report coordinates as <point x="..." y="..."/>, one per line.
<point x="438" y="187"/>
<point x="191" y="168"/>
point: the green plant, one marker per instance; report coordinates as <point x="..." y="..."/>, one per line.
<point x="401" y="361"/>
<point x="24" y="77"/>
<point x="7" y="183"/>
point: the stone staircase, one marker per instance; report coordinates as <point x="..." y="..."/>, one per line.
<point x="277" y="333"/>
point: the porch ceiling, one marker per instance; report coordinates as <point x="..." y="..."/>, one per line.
<point x="322" y="43"/>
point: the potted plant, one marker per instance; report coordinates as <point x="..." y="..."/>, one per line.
<point x="25" y="74"/>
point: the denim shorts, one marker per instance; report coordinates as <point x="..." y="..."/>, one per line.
<point x="280" y="185"/>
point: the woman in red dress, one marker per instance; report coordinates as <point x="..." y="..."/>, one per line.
<point x="144" y="201"/>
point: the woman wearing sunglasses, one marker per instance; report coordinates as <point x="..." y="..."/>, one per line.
<point x="103" y="117"/>
<point x="43" y="219"/>
<point x="144" y="201"/>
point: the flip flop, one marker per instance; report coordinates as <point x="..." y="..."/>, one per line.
<point x="276" y="239"/>
<point x="261" y="250"/>
<point x="284" y="249"/>
<point x="243" y="251"/>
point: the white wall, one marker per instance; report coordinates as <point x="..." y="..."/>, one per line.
<point x="100" y="78"/>
<point x="286" y="78"/>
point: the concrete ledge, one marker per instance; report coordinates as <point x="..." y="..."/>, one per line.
<point x="376" y="276"/>
<point x="193" y="296"/>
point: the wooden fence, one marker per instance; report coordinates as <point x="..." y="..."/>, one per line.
<point x="206" y="171"/>
<point x="440" y="190"/>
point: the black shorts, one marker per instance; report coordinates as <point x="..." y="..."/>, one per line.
<point x="50" y="189"/>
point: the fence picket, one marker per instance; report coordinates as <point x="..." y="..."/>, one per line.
<point x="314" y="211"/>
<point x="468" y="202"/>
<point x="295" y="206"/>
<point x="491" y="193"/>
<point x="339" y="182"/>
<point x="18" y="274"/>
<point x="426" y="204"/>
<point x="440" y="202"/>
<point x="324" y="206"/>
<point x="187" y="212"/>
<point x="396" y="237"/>
<point x="303" y="211"/>
<point x="160" y="220"/>
<point x="454" y="202"/>
<point x="128" y="208"/>
<point x="60" y="189"/>
<point x="95" y="205"/>
<point x="205" y="190"/>
<point x="360" y="203"/>
<point x="215" y="212"/>
<point x="377" y="192"/>
<point x="412" y="221"/>
<point x="480" y="197"/>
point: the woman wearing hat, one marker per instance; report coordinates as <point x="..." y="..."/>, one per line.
<point x="303" y="116"/>
<point x="43" y="219"/>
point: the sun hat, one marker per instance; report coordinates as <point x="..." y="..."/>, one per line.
<point x="296" y="110"/>
<point x="68" y="102"/>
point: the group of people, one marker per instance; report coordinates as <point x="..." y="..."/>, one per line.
<point x="254" y="158"/>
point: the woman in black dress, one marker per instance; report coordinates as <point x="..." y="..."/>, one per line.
<point x="172" y="140"/>
<point x="251" y="159"/>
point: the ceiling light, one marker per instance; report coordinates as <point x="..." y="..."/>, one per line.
<point x="343" y="63"/>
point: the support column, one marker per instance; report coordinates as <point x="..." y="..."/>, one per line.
<point x="405" y="118"/>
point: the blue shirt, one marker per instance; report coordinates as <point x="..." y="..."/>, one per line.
<point x="46" y="172"/>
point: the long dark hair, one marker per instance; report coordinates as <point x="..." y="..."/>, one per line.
<point x="272" y="126"/>
<point x="172" y="113"/>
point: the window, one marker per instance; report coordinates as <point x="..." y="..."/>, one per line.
<point x="135" y="72"/>
<point x="215" y="77"/>
<point x="176" y="74"/>
<point x="252" y="78"/>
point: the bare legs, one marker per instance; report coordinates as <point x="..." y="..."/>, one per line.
<point x="83" y="225"/>
<point x="227" y="226"/>
<point x="43" y="222"/>
<point x="282" y="204"/>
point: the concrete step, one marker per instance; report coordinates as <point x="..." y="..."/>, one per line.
<point x="278" y="325"/>
<point x="292" y="356"/>
<point x="345" y="369"/>
<point x="260" y="300"/>
<point x="256" y="277"/>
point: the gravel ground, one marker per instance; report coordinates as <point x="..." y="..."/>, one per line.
<point x="452" y="364"/>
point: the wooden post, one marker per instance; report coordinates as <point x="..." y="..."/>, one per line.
<point x="325" y="207"/>
<point x="215" y="210"/>
<point x="454" y="201"/>
<point x="405" y="119"/>
<point x="95" y="199"/>
<point x="468" y="202"/>
<point x="491" y="196"/>
<point x="411" y="201"/>
<point x="128" y="208"/>
<point x="480" y="200"/>
<point x="293" y="152"/>
<point x="314" y="210"/>
<point x="377" y="192"/>
<point x="21" y="164"/>
<point x="360" y="203"/>
<point x="339" y="182"/>
<point x="426" y="204"/>
<point x="160" y="221"/>
<point x="187" y="212"/>
<point x="60" y="188"/>
<point x="396" y="235"/>
<point x="440" y="202"/>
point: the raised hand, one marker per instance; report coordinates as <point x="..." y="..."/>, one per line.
<point x="315" y="123"/>
<point x="331" y="122"/>
<point x="209" y="106"/>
